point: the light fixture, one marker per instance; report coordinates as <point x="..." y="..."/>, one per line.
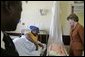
<point x="43" y="11"/>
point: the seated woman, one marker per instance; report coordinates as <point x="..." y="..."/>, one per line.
<point x="26" y="46"/>
<point x="33" y="35"/>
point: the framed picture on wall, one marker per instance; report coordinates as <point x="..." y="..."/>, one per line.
<point x="78" y="6"/>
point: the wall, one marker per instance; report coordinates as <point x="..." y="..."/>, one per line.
<point x="81" y="17"/>
<point x="65" y="10"/>
<point x="31" y="15"/>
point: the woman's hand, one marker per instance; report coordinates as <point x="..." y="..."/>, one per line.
<point x="40" y="44"/>
<point x="30" y="39"/>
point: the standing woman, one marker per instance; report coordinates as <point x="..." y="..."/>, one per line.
<point x="76" y="36"/>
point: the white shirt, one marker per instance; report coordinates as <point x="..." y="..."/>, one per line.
<point x="25" y="47"/>
<point x="2" y="42"/>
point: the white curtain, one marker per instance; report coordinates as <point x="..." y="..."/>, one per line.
<point x="55" y="33"/>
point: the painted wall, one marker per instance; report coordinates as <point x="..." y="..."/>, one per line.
<point x="31" y="15"/>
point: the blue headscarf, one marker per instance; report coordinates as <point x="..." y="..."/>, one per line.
<point x="34" y="28"/>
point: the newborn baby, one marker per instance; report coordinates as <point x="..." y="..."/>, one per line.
<point x="56" y="50"/>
